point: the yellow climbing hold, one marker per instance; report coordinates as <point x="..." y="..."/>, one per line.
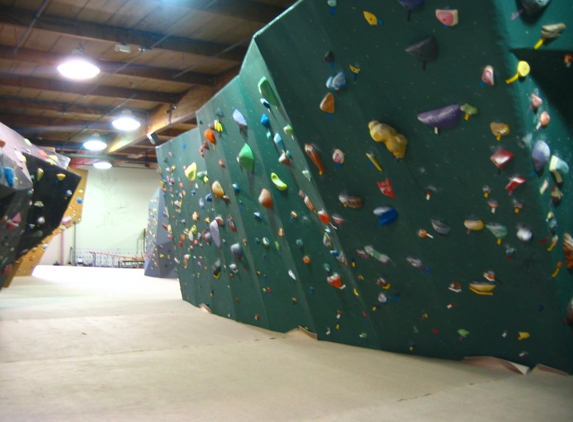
<point x="374" y="161"/>
<point x="39" y="174"/>
<point x="191" y="172"/>
<point x="523" y="335"/>
<point x="371" y="18"/>
<point x="278" y="182"/>
<point x="61" y="176"/>
<point x="522" y="71"/>
<point x="218" y="126"/>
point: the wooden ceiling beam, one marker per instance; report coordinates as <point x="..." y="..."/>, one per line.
<point x="59" y="107"/>
<point x="45" y="58"/>
<point x="94" y="31"/>
<point x="83" y="88"/>
<point x="163" y="117"/>
<point x="242" y="9"/>
<point x="20" y="122"/>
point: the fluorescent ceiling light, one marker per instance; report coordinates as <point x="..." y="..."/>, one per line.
<point x="126" y="122"/>
<point x="78" y="66"/>
<point x="102" y="165"/>
<point x="95" y="143"/>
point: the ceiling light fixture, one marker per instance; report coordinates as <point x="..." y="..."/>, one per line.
<point x="78" y="66"/>
<point x="126" y="122"/>
<point x="95" y="143"/>
<point x="102" y="165"/>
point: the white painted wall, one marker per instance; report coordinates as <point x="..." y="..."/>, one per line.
<point x="115" y="212"/>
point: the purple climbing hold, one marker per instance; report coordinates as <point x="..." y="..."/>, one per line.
<point x="442" y="118"/>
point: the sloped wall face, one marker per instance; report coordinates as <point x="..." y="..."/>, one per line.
<point x="424" y="267"/>
<point x="35" y="190"/>
<point x="159" y="260"/>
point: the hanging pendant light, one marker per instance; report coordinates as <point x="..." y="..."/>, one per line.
<point x="79" y="65"/>
<point x="126" y="122"/>
<point x="95" y="143"/>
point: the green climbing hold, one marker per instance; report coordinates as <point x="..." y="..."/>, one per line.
<point x="202" y="176"/>
<point x="267" y="92"/>
<point x="278" y="182"/>
<point x="246" y="158"/>
<point x="289" y="130"/>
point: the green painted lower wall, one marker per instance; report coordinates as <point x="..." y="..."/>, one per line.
<point x="441" y="177"/>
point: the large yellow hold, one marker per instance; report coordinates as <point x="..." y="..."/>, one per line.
<point x="395" y="142"/>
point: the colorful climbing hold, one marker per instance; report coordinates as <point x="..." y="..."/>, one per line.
<point x="350" y="201"/>
<point x="327" y="105"/>
<point x="337" y="82"/>
<point x="267" y="92"/>
<point x="313" y="154"/>
<point x="558" y="167"/>
<point x="442" y="118"/>
<point x="338" y="156"/>
<point x="278" y="182"/>
<point x="540" y="155"/>
<point x="246" y="158"/>
<point x="372" y="19"/>
<point x="210" y="135"/>
<point x="386" y="215"/>
<point x="469" y="110"/>
<point x="550" y="32"/>
<point x="265" y="199"/>
<point x="217" y="189"/>
<point x="239" y="119"/>
<point x="499" y="129"/>
<point x="487" y="76"/>
<point x="522" y="71"/>
<point x="386" y="188"/>
<point x="449" y="17"/>
<point x="501" y="158"/>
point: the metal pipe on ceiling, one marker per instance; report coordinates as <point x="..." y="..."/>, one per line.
<point x="29" y="29"/>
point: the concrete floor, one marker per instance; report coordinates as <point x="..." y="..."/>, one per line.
<point x="87" y="344"/>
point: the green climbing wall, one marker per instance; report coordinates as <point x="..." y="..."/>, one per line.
<point x="419" y="300"/>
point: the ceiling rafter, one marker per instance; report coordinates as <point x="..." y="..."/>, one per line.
<point x="83" y="88"/>
<point x="242" y="9"/>
<point x="38" y="124"/>
<point x="61" y="107"/>
<point x="46" y="58"/>
<point x="94" y="31"/>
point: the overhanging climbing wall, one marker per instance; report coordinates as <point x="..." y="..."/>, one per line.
<point x="35" y="190"/>
<point x="449" y="246"/>
<point x="72" y="216"/>
<point x="159" y="260"/>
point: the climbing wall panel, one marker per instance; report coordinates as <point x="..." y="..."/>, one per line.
<point x="72" y="217"/>
<point x="159" y="260"/>
<point x="447" y="246"/>
<point x="35" y="190"/>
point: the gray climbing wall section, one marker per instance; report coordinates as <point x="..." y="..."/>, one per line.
<point x="462" y="256"/>
<point x="159" y="260"/>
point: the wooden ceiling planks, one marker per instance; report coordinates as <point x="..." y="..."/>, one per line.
<point x="186" y="35"/>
